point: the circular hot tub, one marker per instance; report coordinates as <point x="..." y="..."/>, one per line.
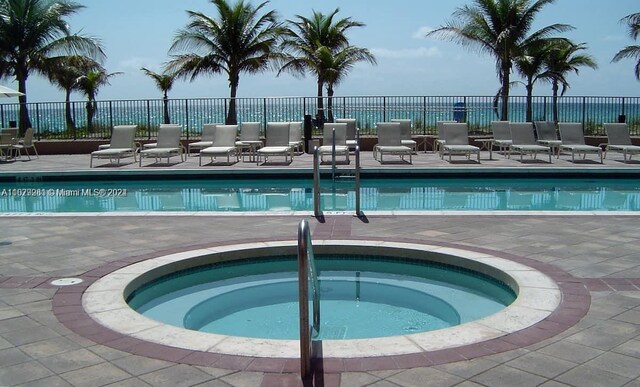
<point x="372" y="272"/>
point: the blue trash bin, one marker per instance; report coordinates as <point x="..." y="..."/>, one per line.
<point x="459" y="112"/>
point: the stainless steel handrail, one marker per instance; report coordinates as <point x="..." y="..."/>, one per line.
<point x="357" y="173"/>
<point x="306" y="271"/>
<point x="317" y="212"/>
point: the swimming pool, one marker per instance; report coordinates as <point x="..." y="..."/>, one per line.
<point x="258" y="298"/>
<point x="402" y="194"/>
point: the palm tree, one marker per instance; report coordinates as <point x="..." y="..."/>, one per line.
<point x="304" y="40"/>
<point x="32" y="31"/>
<point x="239" y="40"/>
<point x="501" y="29"/>
<point x="633" y="52"/>
<point x="64" y="72"/>
<point x="562" y="59"/>
<point x="337" y="65"/>
<point x="530" y="65"/>
<point x="164" y="83"/>
<point x="89" y="84"/>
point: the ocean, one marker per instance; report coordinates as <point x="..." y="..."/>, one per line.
<point x="48" y="118"/>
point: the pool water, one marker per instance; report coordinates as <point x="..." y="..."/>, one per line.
<point x="361" y="297"/>
<point x="402" y="194"/>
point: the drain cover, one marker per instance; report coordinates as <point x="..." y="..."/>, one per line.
<point x="66" y="281"/>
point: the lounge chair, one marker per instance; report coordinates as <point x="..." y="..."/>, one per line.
<point x="26" y="143"/>
<point x="276" y="143"/>
<point x="224" y="144"/>
<point x="6" y="145"/>
<point x="548" y="136"/>
<point x="206" y="140"/>
<point x="439" y="142"/>
<point x="620" y="141"/>
<point x="501" y="136"/>
<point x="352" y="131"/>
<point x="151" y="145"/>
<point x="389" y="142"/>
<point x="341" y="141"/>
<point x="573" y="140"/>
<point x="168" y="144"/>
<point x="122" y="144"/>
<point x="249" y="139"/>
<point x="524" y="141"/>
<point x="295" y="137"/>
<point x="405" y="134"/>
<point x="456" y="141"/>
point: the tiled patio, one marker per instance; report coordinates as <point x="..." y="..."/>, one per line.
<point x="596" y="260"/>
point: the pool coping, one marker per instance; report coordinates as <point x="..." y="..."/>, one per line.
<point x="573" y="303"/>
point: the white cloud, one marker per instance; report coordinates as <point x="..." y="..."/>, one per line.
<point x="407" y="53"/>
<point x="421" y="32"/>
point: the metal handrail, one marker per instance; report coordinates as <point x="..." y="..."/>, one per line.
<point x="317" y="212"/>
<point x="357" y="173"/>
<point x="306" y="271"/>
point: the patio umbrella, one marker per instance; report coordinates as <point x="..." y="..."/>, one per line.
<point x="7" y="92"/>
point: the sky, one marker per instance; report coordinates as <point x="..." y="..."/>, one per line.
<point x="138" y="33"/>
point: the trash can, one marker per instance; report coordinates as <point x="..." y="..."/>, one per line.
<point x="622" y="118"/>
<point x="308" y="128"/>
<point x="459" y="112"/>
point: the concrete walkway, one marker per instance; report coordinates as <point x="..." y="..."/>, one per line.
<point x="599" y="254"/>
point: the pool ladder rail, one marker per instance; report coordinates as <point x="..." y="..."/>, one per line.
<point x="317" y="211"/>
<point x="307" y="276"/>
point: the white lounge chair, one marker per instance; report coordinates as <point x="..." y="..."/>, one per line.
<point x="224" y="144"/>
<point x="352" y="131"/>
<point x="501" y="136"/>
<point x="168" y="144"/>
<point x="276" y="143"/>
<point x="456" y="141"/>
<point x="405" y="134"/>
<point x="573" y="140"/>
<point x="206" y="140"/>
<point x="389" y="142"/>
<point x="26" y="143"/>
<point x="524" y="141"/>
<point x="619" y="140"/>
<point x="122" y="145"/>
<point x="341" y="141"/>
<point x="6" y="145"/>
<point x="439" y="142"/>
<point x="249" y="139"/>
<point x="548" y="136"/>
<point x="295" y="137"/>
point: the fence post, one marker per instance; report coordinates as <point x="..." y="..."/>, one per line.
<point x="148" y="120"/>
<point x="186" y="116"/>
<point x="111" y="114"/>
<point x="384" y="109"/>
<point x="264" y="112"/>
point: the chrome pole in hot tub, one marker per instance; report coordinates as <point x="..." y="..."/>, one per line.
<point x="307" y="271"/>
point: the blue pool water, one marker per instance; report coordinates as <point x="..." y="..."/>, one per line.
<point x="361" y="297"/>
<point x="402" y="194"/>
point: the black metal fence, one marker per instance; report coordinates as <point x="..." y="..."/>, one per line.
<point x="48" y="118"/>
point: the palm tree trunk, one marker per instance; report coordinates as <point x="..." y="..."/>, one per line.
<point x="506" y="70"/>
<point x="529" y="101"/>
<point x="165" y="106"/>
<point x="232" y="115"/>
<point x="555" y="100"/>
<point x="24" y="121"/>
<point x="320" y="115"/>
<point x="90" y="113"/>
<point x="71" y="126"/>
<point x="330" y="103"/>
